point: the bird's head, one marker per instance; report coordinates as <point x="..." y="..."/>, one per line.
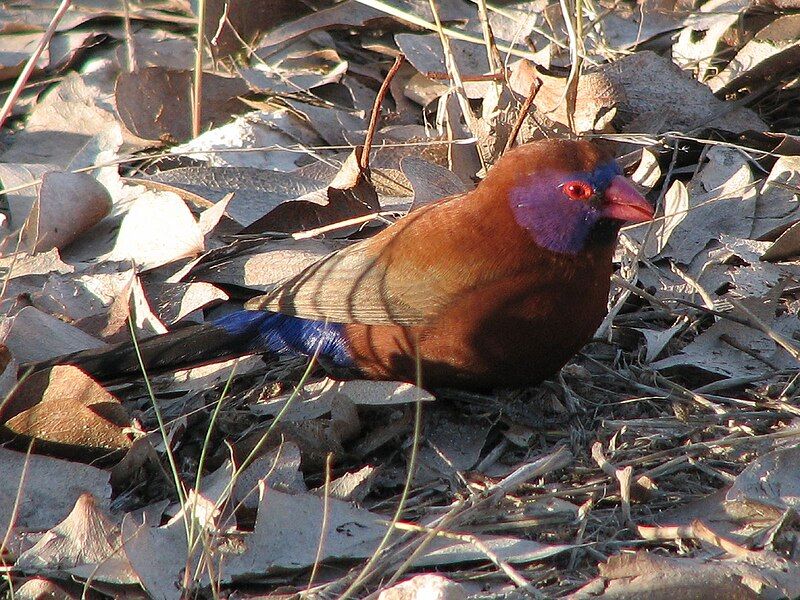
<point x="567" y="194"/>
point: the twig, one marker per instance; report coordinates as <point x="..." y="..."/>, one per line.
<point x="19" y="84"/>
<point x="642" y="487"/>
<point x="455" y="34"/>
<point x="492" y="56"/>
<point x="325" y="517"/>
<point x="197" y="84"/>
<point x="303" y="235"/>
<point x="701" y="291"/>
<point x="523" y="112"/>
<point x="376" y="111"/>
<point x="129" y="49"/>
<point x="495" y="76"/>
<point x="574" y="31"/>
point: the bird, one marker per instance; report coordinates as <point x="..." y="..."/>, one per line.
<point x="494" y="288"/>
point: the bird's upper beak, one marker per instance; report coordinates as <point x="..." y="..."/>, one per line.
<point x="623" y="203"/>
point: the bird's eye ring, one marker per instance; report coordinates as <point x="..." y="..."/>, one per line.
<point x="578" y="190"/>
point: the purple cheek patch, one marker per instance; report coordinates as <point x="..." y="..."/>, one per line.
<point x="555" y="222"/>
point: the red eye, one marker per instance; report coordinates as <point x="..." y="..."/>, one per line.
<point x="578" y="190"/>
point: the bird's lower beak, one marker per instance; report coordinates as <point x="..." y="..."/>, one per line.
<point x="624" y="203"/>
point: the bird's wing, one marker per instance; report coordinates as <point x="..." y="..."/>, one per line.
<point x="387" y="279"/>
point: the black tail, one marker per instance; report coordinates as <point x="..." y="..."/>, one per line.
<point x="183" y="348"/>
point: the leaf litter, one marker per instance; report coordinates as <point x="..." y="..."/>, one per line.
<point x="659" y="462"/>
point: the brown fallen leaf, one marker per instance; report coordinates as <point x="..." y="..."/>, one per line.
<point x="731" y="350"/>
<point x="39" y="587"/>
<point x="85" y="544"/>
<point x="23" y="335"/>
<point x="260" y="265"/>
<point x="157" y="229"/>
<point x="159" y="48"/>
<point x="113" y="325"/>
<point x="777" y="207"/>
<point x="154" y="102"/>
<point x="66" y="413"/>
<point x="425" y="53"/>
<point x="49" y="490"/>
<point x="430" y="181"/>
<point x="350" y="194"/>
<point x="453" y="444"/>
<point x="41" y="263"/>
<point x="775" y="50"/>
<point x="279" y="468"/>
<point x="351" y="487"/>
<point x="315" y="399"/>
<point x="335" y="126"/>
<point x="72" y="119"/>
<point x="424" y="586"/>
<point x="256" y="191"/>
<point x="172" y="302"/>
<point x="644" y="575"/>
<point x="300" y="66"/>
<point x="701" y="40"/>
<point x="351" y="13"/>
<point x="233" y="25"/>
<point x="615" y="97"/>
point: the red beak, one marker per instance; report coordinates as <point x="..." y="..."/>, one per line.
<point x="624" y="203"/>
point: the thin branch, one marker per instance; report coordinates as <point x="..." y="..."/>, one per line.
<point x="19" y="84"/>
<point x="523" y="112"/>
<point x="376" y="111"/>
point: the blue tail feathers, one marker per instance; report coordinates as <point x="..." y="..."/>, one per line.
<point x="275" y="332"/>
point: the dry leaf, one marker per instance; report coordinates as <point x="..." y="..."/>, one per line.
<point x="777" y="205"/>
<point x="36" y="588"/>
<point x="66" y="205"/>
<point x="25" y="332"/>
<point x="453" y="444"/>
<point x="256" y="192"/>
<point x="355" y="14"/>
<point x="154" y="102"/>
<point x="773" y="51"/>
<point x="430" y="586"/>
<point x="157" y="230"/>
<point x="425" y="53"/>
<point x="299" y="67"/>
<point x="719" y="349"/>
<point x="430" y="181"/>
<point x="350" y="194"/>
<point x="50" y="489"/>
<point x="70" y="124"/>
<point x="174" y="301"/>
<point x="314" y="399"/>
<point x="698" y="42"/>
<point x="272" y="131"/>
<point x="644" y="575"/>
<point x="260" y="265"/>
<point x="66" y="413"/>
<point x="649" y="102"/>
<point x="85" y="544"/>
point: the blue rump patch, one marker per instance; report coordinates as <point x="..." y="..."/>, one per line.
<point x="266" y="331"/>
